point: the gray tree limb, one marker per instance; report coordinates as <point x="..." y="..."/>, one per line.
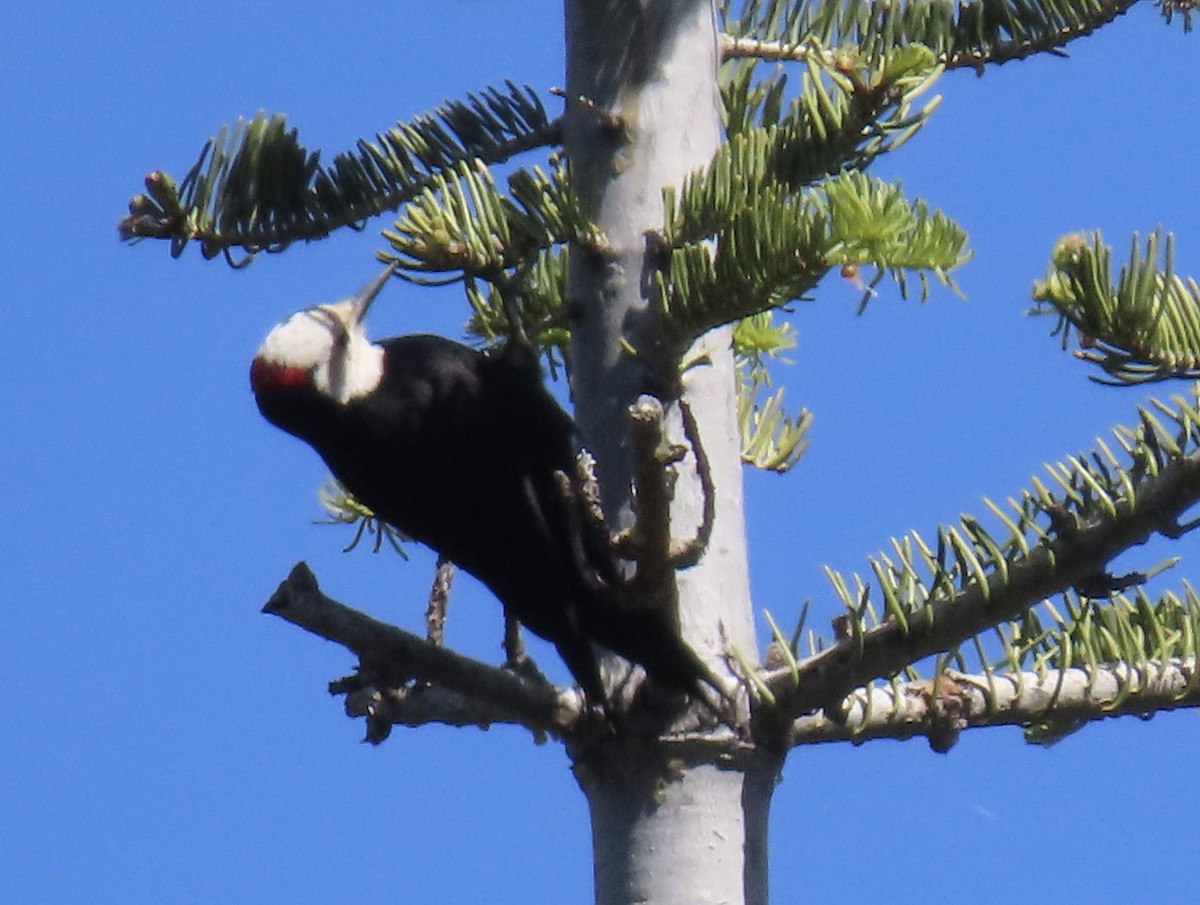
<point x="961" y="701"/>
<point x="1071" y="559"/>
<point x="469" y="692"/>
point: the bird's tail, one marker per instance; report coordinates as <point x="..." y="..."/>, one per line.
<point x="647" y="637"/>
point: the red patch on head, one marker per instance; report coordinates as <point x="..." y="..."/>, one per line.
<point x="270" y="377"/>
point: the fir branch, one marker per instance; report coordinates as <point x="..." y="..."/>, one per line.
<point x="1047" y="704"/>
<point x="1144" y="328"/>
<point x="1132" y="630"/>
<point x="934" y="599"/>
<point x="871" y="223"/>
<point x="506" y="249"/>
<point x="848" y="111"/>
<point x="255" y="187"/>
<point x="777" y="248"/>
<point x="765" y="256"/>
<point x="962" y="35"/>
<point x="771" y="439"/>
<point x="758" y="339"/>
<point x="539" y="305"/>
<point x="462" y="225"/>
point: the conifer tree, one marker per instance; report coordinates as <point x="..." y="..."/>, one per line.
<point x="647" y="228"/>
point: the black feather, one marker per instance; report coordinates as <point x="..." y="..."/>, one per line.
<point x="458" y="449"/>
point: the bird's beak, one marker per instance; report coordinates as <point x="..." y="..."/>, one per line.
<point x="365" y="296"/>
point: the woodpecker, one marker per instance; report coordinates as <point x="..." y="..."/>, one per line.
<point x="458" y="449"/>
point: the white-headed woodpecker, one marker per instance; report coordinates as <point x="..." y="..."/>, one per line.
<point x="458" y="449"/>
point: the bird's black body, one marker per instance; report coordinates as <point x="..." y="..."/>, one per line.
<point x="458" y="449"/>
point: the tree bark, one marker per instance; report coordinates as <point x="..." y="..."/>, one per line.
<point x="642" y="114"/>
<point x="679" y="834"/>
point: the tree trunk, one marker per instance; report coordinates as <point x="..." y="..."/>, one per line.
<point x="696" y="836"/>
<point x="668" y="826"/>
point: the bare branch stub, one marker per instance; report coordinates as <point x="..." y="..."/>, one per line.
<point x="593" y="548"/>
<point x="514" y="645"/>
<point x="585" y="490"/>
<point x="1100" y="583"/>
<point x="439" y="602"/>
<point x="390" y="658"/>
<point x="648" y="542"/>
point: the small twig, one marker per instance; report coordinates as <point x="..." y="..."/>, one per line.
<point x="590" y="543"/>
<point x="597" y="535"/>
<point x="514" y="644"/>
<point x="1173" y="529"/>
<point x="1102" y="584"/>
<point x="608" y="120"/>
<point x="511" y="290"/>
<point x="417" y="706"/>
<point x="439" y="602"/>
<point x="731" y="47"/>
<point x="685" y="554"/>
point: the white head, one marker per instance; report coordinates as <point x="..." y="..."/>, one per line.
<point x="326" y="345"/>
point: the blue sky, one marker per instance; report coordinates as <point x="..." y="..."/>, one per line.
<point x="163" y="742"/>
